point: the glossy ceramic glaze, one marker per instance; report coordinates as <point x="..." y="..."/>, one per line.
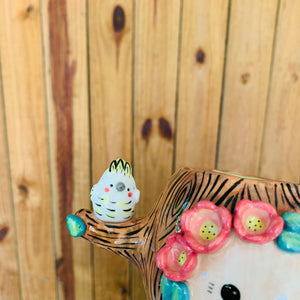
<point x="254" y="271"/>
<point x="140" y="240"/>
<point x="115" y="195"/>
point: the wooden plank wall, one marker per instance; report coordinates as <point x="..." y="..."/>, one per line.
<point x="110" y="60"/>
<point x="162" y="84"/>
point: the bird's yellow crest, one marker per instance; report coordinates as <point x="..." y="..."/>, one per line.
<point x="120" y="165"/>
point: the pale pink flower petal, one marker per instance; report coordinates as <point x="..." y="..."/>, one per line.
<point x="256" y="221"/>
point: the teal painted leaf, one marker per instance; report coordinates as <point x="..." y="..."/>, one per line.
<point x="180" y="291"/>
<point x="291" y="221"/>
<point x="172" y="290"/>
<point x="166" y="287"/>
<point x="289" y="241"/>
<point x="75" y="226"/>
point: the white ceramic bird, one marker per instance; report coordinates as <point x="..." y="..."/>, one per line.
<point x="115" y="195"/>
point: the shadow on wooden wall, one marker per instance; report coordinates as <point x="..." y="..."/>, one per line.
<point x="162" y="84"/>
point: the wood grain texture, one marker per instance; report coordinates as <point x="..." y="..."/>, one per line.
<point x="110" y="59"/>
<point x="250" y="41"/>
<point x="77" y="29"/>
<point x="89" y="81"/>
<point x="9" y="271"/>
<point x="22" y="71"/>
<point x="201" y="68"/>
<point x="65" y="44"/>
<point x="155" y="61"/>
<point x="281" y="146"/>
<point x="155" y="74"/>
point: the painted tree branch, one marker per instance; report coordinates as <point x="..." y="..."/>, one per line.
<point x="140" y="239"/>
<point x="125" y="239"/>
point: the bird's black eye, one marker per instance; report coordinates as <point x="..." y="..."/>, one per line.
<point x="230" y="292"/>
<point x="128" y="189"/>
<point x="111" y="185"/>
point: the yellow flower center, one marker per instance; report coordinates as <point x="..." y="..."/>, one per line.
<point x="254" y="223"/>
<point x="182" y="258"/>
<point x="208" y="231"/>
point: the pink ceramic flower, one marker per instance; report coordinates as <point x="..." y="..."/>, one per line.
<point x="206" y="227"/>
<point x="257" y="221"/>
<point x="176" y="259"/>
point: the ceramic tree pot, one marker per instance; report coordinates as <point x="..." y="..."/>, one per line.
<point x="235" y="256"/>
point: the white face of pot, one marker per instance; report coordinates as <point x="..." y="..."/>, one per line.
<point x="248" y="270"/>
<point x="114" y="197"/>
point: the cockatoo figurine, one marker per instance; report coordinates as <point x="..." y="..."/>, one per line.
<point x="115" y="195"/>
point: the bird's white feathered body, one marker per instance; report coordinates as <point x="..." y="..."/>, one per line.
<point x="115" y="195"/>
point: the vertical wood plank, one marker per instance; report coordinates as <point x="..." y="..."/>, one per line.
<point x="251" y="34"/>
<point x="156" y="55"/>
<point x="23" y="87"/>
<point x="82" y="260"/>
<point x="110" y="59"/>
<point x="65" y="49"/>
<point x="9" y="272"/>
<point x="201" y="68"/>
<point x="155" y="73"/>
<point x="281" y="146"/>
